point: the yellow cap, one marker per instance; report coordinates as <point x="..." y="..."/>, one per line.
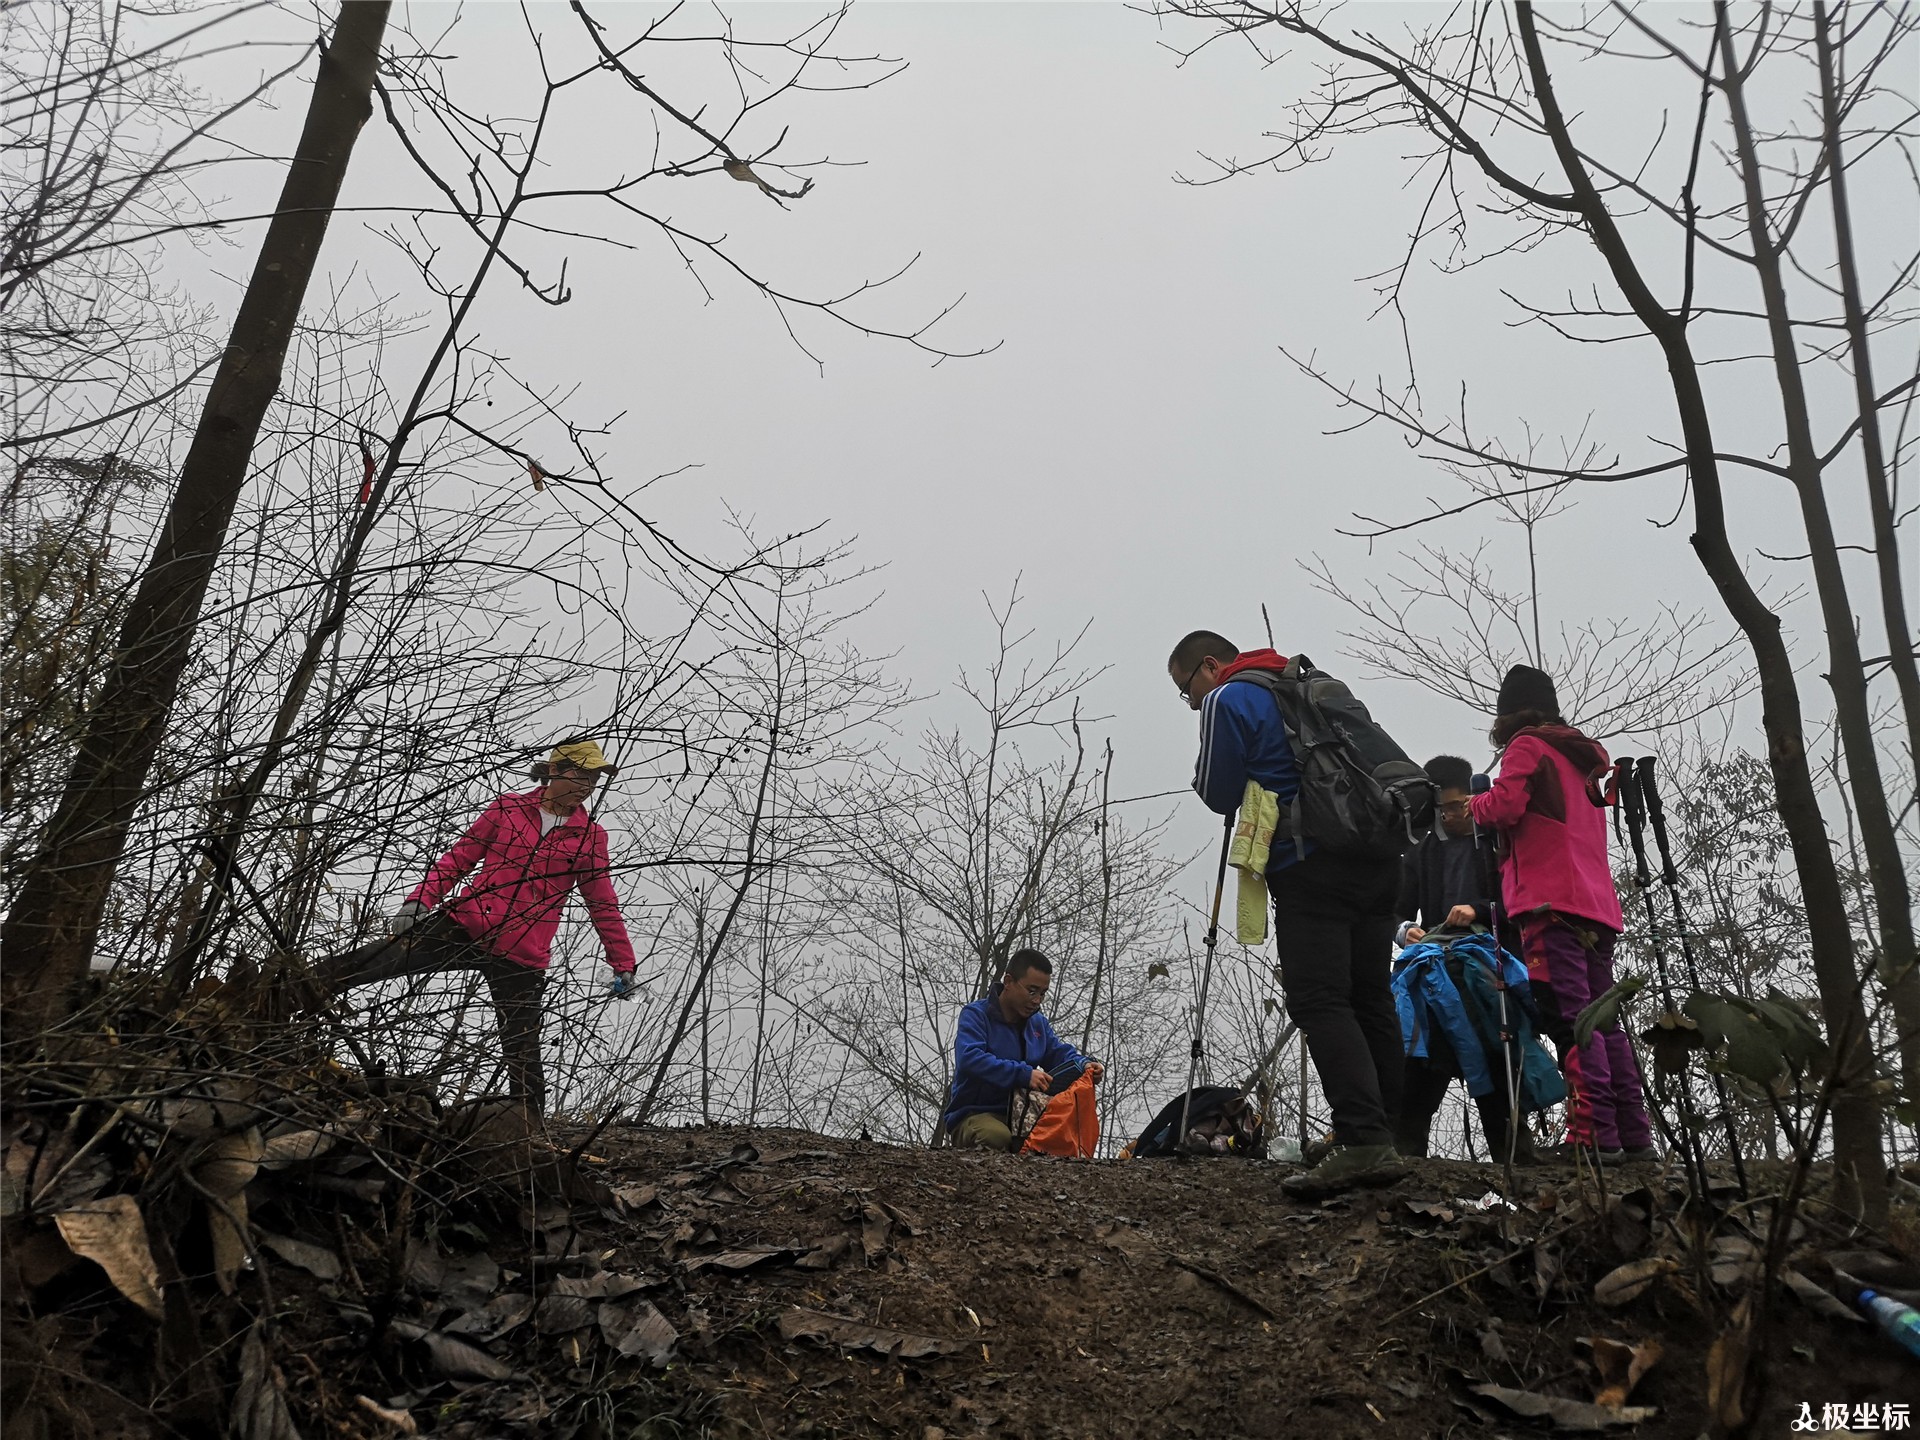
<point x="582" y="755"/>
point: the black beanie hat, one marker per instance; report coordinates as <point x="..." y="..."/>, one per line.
<point x="1526" y="688"/>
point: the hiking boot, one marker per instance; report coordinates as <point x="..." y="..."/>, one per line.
<point x="1636" y="1153"/>
<point x="1348" y="1167"/>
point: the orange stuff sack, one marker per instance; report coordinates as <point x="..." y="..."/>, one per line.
<point x="1070" y="1125"/>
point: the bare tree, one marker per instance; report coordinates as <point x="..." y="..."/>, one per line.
<point x="484" y="169"/>
<point x="993" y="838"/>
<point x="49" y="932"/>
<point x="110" y="144"/>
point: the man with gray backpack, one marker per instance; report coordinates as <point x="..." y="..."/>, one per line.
<point x="1349" y="802"/>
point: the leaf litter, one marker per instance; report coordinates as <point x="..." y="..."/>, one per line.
<point x="877" y="1291"/>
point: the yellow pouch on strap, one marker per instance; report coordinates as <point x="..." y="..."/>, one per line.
<point x="1252" y="838"/>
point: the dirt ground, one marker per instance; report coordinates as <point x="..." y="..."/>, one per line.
<point x="776" y="1283"/>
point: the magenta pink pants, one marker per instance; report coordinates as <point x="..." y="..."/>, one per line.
<point x="1570" y="963"/>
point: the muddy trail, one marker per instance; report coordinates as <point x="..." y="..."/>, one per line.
<point x="730" y="1282"/>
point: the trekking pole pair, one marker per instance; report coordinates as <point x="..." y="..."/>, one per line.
<point x="1206" y="981"/>
<point x="1639" y="785"/>
<point x="1632" y="803"/>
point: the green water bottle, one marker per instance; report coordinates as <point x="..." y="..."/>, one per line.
<point x="1900" y="1323"/>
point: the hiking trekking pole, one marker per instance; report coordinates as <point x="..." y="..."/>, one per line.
<point x="1206" y="980"/>
<point x="1632" y="805"/>
<point x="1508" y="1046"/>
<point x="1509" y="1061"/>
<point x="1670" y="877"/>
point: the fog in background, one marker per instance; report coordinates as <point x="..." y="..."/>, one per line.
<point x="1136" y="452"/>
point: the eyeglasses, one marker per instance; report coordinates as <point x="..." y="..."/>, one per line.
<point x="1186" y="686"/>
<point x="1454" y="807"/>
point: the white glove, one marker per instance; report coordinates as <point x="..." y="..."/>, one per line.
<point x="406" y="917"/>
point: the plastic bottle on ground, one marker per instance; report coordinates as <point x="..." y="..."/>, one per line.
<point x="1899" y="1323"/>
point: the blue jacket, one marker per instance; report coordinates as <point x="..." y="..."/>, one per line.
<point x="1242" y="738"/>
<point x="1429" y="1001"/>
<point x="991" y="1059"/>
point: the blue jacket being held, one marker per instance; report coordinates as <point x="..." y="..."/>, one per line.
<point x="991" y="1059"/>
<point x="1429" y="1000"/>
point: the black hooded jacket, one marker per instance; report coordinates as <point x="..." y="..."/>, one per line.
<point x="1443" y="871"/>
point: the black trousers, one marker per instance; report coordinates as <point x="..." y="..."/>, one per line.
<point x="1424" y="1086"/>
<point x="436" y="942"/>
<point x="1333" y="928"/>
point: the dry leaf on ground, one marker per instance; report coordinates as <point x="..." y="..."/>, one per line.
<point x="1621" y="1366"/>
<point x="494" y="1319"/>
<point x="314" y="1259"/>
<point x="113" y="1234"/>
<point x="1630" y="1281"/>
<point x="468" y="1277"/>
<point x="602" y="1285"/>
<point x="1573" y="1415"/>
<point x="259" y="1400"/>
<point x="635" y="1327"/>
<point x="228" y="1164"/>
<point x="296" y="1148"/>
<point x="1818" y="1300"/>
<point x="562" y="1315"/>
<point x="744" y="1258"/>
<point x="453" y="1357"/>
<point x="854" y="1335"/>
<point x="1727" y="1369"/>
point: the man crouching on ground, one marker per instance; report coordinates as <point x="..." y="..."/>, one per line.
<point x="1004" y="1044"/>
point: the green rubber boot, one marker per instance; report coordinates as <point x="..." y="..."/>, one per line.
<point x="1350" y="1167"/>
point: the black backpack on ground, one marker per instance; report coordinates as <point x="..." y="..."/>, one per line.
<point x="1220" y="1113"/>
<point x="1359" y="793"/>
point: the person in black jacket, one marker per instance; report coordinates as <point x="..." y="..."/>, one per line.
<point x="1450" y="878"/>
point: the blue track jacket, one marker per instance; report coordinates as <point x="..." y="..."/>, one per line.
<point x="1242" y="738"/>
<point x="991" y="1059"/>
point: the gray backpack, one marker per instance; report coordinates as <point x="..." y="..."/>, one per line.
<point x="1359" y="793"/>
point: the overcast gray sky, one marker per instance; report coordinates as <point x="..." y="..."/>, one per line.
<point x="1137" y="449"/>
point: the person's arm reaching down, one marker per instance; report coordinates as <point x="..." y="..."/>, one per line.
<point x="603" y="906"/>
<point x="1059" y="1055"/>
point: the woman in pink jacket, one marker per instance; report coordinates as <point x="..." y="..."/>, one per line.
<point x="1549" y="805"/>
<point x="531" y="850"/>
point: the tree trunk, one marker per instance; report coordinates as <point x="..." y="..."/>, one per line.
<point x="1847" y="676"/>
<point x="49" y="938"/>
<point x="1860" y="1182"/>
<point x="1901" y="658"/>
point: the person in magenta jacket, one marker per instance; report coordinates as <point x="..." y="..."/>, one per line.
<point x="1549" y="806"/>
<point x="526" y="853"/>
